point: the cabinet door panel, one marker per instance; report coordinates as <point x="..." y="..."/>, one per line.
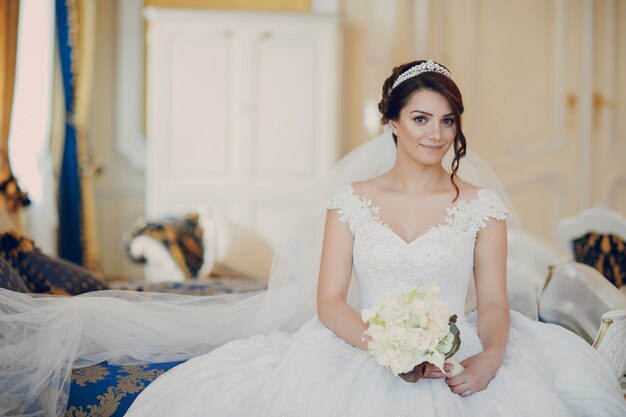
<point x="284" y="139"/>
<point x="199" y="118"/>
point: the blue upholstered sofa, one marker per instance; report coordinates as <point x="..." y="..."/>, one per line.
<point x="103" y="390"/>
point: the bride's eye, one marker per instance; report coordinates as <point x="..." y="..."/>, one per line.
<point x="448" y="121"/>
<point x="420" y="119"/>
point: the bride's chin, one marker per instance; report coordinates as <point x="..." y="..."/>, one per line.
<point x="429" y="157"/>
<point x="428" y="161"/>
<point x="426" y="157"/>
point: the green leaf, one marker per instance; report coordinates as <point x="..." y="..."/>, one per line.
<point x="410" y="296"/>
<point x="377" y="320"/>
<point x="456" y="344"/>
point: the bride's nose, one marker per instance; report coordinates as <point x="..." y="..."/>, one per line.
<point x="435" y="134"/>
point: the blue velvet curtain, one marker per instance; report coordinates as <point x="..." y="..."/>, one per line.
<point x="70" y="207"/>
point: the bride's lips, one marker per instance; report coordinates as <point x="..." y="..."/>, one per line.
<point x="431" y="148"/>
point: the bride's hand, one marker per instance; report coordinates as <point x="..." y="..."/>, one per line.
<point x="432" y="371"/>
<point x="479" y="371"/>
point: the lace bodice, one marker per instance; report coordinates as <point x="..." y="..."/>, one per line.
<point x="385" y="264"/>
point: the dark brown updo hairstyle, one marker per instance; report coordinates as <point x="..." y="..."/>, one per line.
<point x="392" y="102"/>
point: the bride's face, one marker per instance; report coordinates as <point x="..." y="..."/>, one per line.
<point x="426" y="127"/>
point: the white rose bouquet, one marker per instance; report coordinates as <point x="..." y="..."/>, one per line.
<point x="410" y="329"/>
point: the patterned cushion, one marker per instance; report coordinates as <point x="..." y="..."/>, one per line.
<point x="10" y="279"/>
<point x="182" y="237"/>
<point x="213" y="286"/>
<point x="42" y="273"/>
<point x="606" y="253"/>
<point x="106" y="390"/>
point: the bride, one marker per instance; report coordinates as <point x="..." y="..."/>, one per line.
<point x="414" y="224"/>
<point x="400" y="214"/>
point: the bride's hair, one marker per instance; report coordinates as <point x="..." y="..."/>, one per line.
<point x="395" y="99"/>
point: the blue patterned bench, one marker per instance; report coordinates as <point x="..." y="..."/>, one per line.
<point x="106" y="390"/>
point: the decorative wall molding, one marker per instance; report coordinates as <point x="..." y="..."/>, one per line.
<point x="611" y="191"/>
<point x="420" y="17"/>
<point x="130" y="139"/>
<point x="612" y="71"/>
<point x="586" y="107"/>
<point x="554" y="140"/>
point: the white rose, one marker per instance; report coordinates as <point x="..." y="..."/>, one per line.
<point x="418" y="307"/>
<point x="391" y="352"/>
<point x="420" y="339"/>
<point x="437" y="328"/>
<point x="421" y="358"/>
<point x="373" y="346"/>
<point x="402" y="363"/>
<point x="417" y="321"/>
<point x="392" y="312"/>
<point x="383" y="358"/>
<point x="367" y="314"/>
<point x="377" y="333"/>
<point x="395" y="333"/>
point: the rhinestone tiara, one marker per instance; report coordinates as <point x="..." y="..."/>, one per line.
<point x="428" y="66"/>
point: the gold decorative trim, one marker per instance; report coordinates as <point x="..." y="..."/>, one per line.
<point x="549" y="277"/>
<point x="604" y="327"/>
<point x="248" y="5"/>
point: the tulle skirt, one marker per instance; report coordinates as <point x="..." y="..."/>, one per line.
<point x="547" y="371"/>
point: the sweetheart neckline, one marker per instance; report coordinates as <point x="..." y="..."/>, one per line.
<point x="374" y="210"/>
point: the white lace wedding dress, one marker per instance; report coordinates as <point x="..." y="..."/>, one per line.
<point x="547" y="370"/>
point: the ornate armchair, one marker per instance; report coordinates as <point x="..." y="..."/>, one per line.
<point x="578" y="297"/>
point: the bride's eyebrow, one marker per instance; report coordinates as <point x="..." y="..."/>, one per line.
<point x="429" y="114"/>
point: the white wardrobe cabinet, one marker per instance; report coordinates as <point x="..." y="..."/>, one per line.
<point x="242" y="112"/>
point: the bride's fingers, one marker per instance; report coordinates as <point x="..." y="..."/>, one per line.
<point x="434" y="374"/>
<point x="455" y="381"/>
<point x="463" y="390"/>
<point x="431" y="371"/>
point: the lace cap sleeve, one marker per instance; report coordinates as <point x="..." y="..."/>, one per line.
<point x="473" y="216"/>
<point x="340" y="199"/>
<point x="357" y="212"/>
<point x="490" y="206"/>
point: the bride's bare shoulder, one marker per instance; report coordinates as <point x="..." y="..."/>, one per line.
<point x="371" y="186"/>
<point x="467" y="191"/>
